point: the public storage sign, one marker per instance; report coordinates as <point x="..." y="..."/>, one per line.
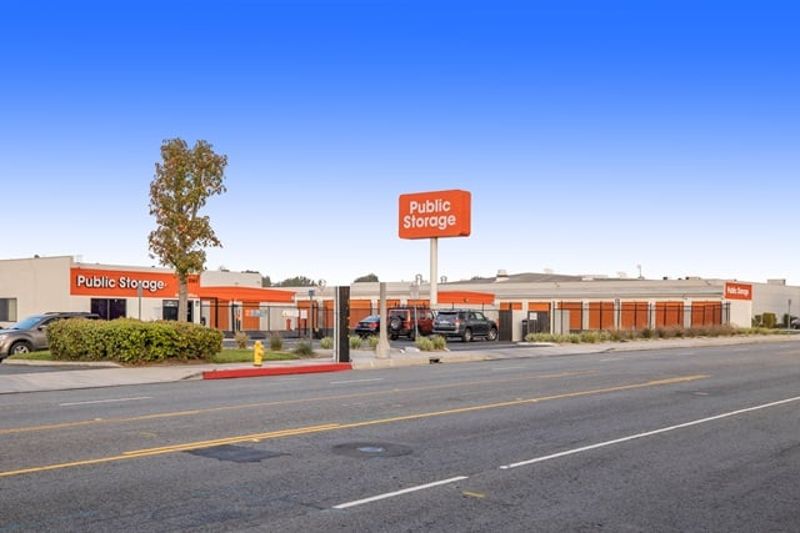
<point x="121" y="283"/>
<point x="426" y="215"/>
<point x="738" y="291"/>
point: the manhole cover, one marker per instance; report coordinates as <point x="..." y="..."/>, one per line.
<point x="235" y="454"/>
<point x="369" y="450"/>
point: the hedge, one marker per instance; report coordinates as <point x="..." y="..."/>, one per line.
<point x="131" y="341"/>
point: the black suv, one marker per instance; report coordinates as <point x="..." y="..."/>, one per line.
<point x="465" y="324"/>
<point x="30" y="334"/>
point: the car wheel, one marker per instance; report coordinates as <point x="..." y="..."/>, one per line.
<point x="393" y="337"/>
<point x="20" y="348"/>
<point x="492" y="336"/>
<point x="467" y="336"/>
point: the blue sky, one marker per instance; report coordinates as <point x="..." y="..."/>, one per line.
<point x="594" y="135"/>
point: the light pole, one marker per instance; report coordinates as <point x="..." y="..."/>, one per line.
<point x="789" y="315"/>
<point x="309" y="315"/>
<point x="415" y="297"/>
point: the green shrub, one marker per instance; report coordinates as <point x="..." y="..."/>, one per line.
<point x="590" y="337"/>
<point x="539" y="337"/>
<point x="355" y="342"/>
<point x="617" y="335"/>
<point x="769" y="320"/>
<point x="439" y="343"/>
<point x="132" y="341"/>
<point x="425" y="344"/>
<point x="275" y="343"/>
<point x="326" y="343"/>
<point x="647" y="333"/>
<point x="373" y="341"/>
<point x="241" y="340"/>
<point x="303" y="349"/>
<point x="574" y="338"/>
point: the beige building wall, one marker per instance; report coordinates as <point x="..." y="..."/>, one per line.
<point x="38" y="285"/>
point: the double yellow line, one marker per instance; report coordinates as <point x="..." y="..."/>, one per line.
<point x="257" y="437"/>
<point x="239" y="407"/>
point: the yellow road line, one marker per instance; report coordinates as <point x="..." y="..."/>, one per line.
<point x="194" y="412"/>
<point x="149" y="452"/>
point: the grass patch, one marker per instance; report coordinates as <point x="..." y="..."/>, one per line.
<point x="33" y="356"/>
<point x="236" y="355"/>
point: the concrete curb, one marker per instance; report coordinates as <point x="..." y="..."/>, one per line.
<point x="276" y="371"/>
<point x="84" y="364"/>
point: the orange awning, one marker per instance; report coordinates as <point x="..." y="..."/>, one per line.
<point x="466" y="297"/>
<point x="245" y="294"/>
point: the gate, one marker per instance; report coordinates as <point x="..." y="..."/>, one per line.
<point x="506" y="325"/>
<point x="538" y="322"/>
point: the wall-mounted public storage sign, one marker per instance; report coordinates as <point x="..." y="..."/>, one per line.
<point x="121" y="283"/>
<point x="428" y="215"/>
<point x="738" y="291"/>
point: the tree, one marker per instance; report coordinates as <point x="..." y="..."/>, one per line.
<point x="266" y="281"/>
<point x="184" y="181"/>
<point x="368" y="278"/>
<point x="297" y="281"/>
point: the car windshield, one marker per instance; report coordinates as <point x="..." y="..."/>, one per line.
<point x="27" y="323"/>
<point x="447" y="315"/>
<point x="372" y="318"/>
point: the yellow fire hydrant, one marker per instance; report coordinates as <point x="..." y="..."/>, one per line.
<point x="258" y="353"/>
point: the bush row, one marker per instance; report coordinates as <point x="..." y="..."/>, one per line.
<point x="434" y="343"/>
<point x="648" y="333"/>
<point x="131" y="341"/>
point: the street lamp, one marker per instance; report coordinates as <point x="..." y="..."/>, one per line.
<point x="415" y="297"/>
<point x="309" y="315"/>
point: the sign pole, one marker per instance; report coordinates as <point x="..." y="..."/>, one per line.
<point x="434" y="272"/>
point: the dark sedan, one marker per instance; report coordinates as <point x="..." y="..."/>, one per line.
<point x="369" y="326"/>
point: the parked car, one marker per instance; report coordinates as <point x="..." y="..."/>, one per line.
<point x="30" y="334"/>
<point x="370" y="325"/>
<point x="465" y="324"/>
<point x="795" y="323"/>
<point x="402" y="319"/>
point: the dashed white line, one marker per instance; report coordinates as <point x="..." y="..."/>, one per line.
<point x="110" y="400"/>
<point x="356" y="381"/>
<point x="648" y="433"/>
<point x="400" y="492"/>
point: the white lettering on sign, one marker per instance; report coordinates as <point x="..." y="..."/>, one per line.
<point x="435" y="215"/>
<point x="124" y="282"/>
<point x="737" y="290"/>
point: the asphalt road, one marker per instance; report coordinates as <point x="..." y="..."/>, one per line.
<point x="672" y="440"/>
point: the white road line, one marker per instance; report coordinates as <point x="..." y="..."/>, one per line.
<point x="356" y="381"/>
<point x="648" y="433"/>
<point x="107" y="401"/>
<point x="607" y="359"/>
<point x="400" y="492"/>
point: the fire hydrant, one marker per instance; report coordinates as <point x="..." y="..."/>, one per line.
<point x="258" y="353"/>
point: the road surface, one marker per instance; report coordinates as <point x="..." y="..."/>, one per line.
<point x="670" y="440"/>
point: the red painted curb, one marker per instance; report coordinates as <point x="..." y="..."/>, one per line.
<point x="276" y="371"/>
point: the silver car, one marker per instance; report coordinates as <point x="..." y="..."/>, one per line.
<point x="30" y="334"/>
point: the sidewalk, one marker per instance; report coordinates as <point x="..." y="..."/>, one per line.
<point x="102" y="376"/>
<point x="112" y="377"/>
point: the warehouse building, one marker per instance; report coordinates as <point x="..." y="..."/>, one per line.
<point x="522" y="303"/>
<point x="216" y="298"/>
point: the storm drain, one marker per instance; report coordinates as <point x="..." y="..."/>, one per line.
<point x="235" y="454"/>
<point x="371" y="450"/>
